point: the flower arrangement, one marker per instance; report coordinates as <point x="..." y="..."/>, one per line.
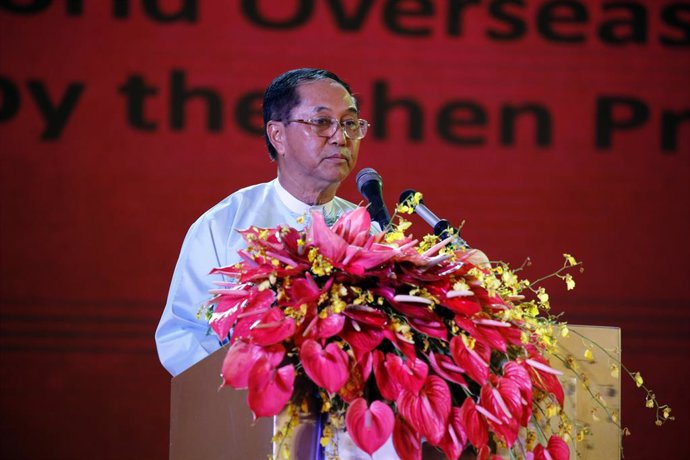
<point x="418" y="340"/>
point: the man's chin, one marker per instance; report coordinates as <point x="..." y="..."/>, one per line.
<point x="338" y="176"/>
<point x="339" y="168"/>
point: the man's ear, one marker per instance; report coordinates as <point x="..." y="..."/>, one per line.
<point x="276" y="134"/>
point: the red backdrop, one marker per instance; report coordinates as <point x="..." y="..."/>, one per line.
<point x="558" y="126"/>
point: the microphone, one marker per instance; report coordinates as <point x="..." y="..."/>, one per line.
<point x="442" y="227"/>
<point x="370" y="185"/>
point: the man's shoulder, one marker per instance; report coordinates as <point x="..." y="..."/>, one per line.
<point x="253" y="193"/>
<point x="228" y="207"/>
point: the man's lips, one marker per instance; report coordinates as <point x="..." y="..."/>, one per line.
<point x="339" y="156"/>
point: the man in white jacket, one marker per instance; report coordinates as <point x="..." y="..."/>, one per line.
<point x="313" y="131"/>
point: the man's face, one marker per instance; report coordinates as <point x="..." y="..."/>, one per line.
<point x="313" y="161"/>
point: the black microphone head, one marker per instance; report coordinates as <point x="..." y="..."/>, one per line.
<point x="367" y="175"/>
<point x="370" y="185"/>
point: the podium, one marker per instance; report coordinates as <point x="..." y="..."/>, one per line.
<point x="603" y="442"/>
<point x="212" y="423"/>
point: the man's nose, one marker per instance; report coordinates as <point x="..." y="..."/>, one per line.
<point x="339" y="137"/>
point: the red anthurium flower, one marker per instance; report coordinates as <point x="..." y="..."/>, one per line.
<point x="354" y="226"/>
<point x="272" y="327"/>
<point x="502" y="399"/>
<point x="366" y="363"/>
<point x="232" y="304"/>
<point x="502" y="396"/>
<point x="401" y="343"/>
<point x="257" y="267"/>
<point x="283" y="271"/>
<point x="242" y="356"/>
<point x="512" y="335"/>
<point x="418" y="274"/>
<point x="329" y="243"/>
<point x="365" y="314"/>
<point x="508" y="431"/>
<point x="543" y="376"/>
<point x="411" y="309"/>
<point x="243" y="325"/>
<point x="446" y="368"/>
<point x="270" y="388"/>
<point x="455" y="438"/>
<point x="369" y="426"/>
<point x="361" y="337"/>
<point x="421" y="318"/>
<point x="226" y="310"/>
<point x="323" y="328"/>
<point x="519" y="375"/>
<point x="305" y="291"/>
<point x="556" y="449"/>
<point x="389" y="387"/>
<point x="291" y="239"/>
<point x="257" y="272"/>
<point x="487" y="335"/>
<point x="262" y="239"/>
<point x="283" y="257"/>
<point x="487" y="301"/>
<point x="358" y="260"/>
<point x="407" y="441"/>
<point x="464" y="304"/>
<point x="493" y="337"/>
<point x="461" y="305"/>
<point x="427" y="411"/>
<point x="475" y="365"/>
<point x="252" y="236"/>
<point x="363" y="319"/>
<point x="476" y="427"/>
<point x="327" y="367"/>
<point x="410" y="374"/>
<point x="408" y="253"/>
<point x="348" y="244"/>
<point x="431" y="325"/>
<point x="549" y="383"/>
<point x="256" y="307"/>
<point x="363" y="329"/>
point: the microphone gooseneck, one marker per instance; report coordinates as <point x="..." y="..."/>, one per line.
<point x="442" y="227"/>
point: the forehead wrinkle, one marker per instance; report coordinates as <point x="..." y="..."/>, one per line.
<point x="347" y="99"/>
<point x="323" y="107"/>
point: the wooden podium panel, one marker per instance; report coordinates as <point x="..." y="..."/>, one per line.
<point x="208" y="423"/>
<point x="604" y="440"/>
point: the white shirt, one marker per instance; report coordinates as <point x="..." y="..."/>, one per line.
<point x="213" y="241"/>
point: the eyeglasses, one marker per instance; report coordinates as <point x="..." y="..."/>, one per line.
<point x="353" y="128"/>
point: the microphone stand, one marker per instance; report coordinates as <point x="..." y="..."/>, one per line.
<point x="442" y="227"/>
